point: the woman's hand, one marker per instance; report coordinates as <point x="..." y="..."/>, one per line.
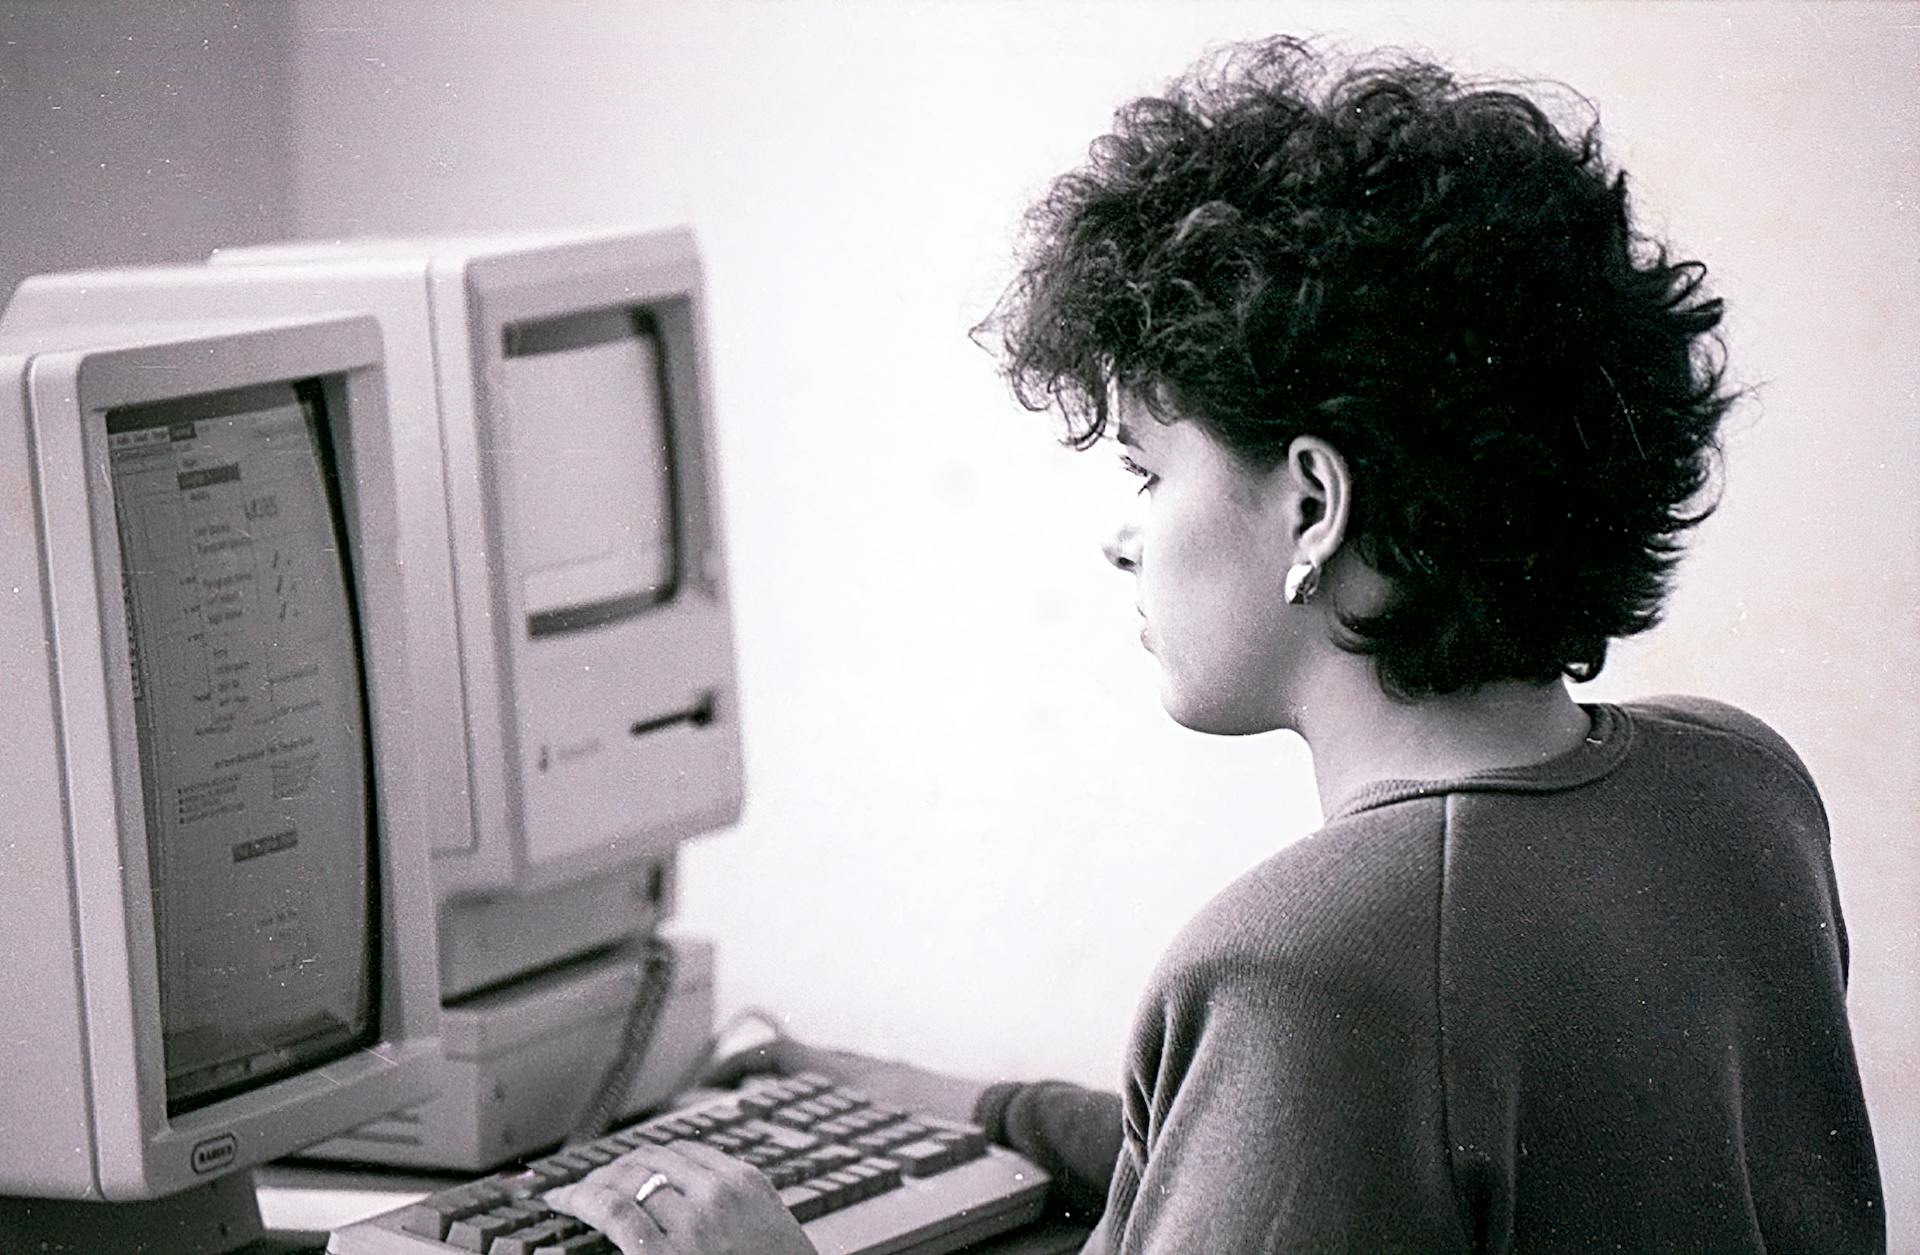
<point x="882" y="1080"/>
<point x="708" y="1204"/>
<point x="713" y="1204"/>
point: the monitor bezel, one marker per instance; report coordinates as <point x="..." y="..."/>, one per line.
<point x="142" y="1151"/>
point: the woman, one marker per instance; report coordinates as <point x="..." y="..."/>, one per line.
<point x="1419" y="419"/>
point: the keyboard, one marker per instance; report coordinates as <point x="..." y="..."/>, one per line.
<point x="862" y="1178"/>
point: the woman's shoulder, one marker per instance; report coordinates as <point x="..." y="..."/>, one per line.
<point x="1361" y="882"/>
<point x="1701" y="725"/>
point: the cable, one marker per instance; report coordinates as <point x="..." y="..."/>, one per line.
<point x="657" y="963"/>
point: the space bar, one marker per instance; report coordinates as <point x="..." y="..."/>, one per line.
<point x="936" y="1214"/>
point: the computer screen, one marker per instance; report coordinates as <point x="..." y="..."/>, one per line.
<point x="250" y="710"/>
<point x="591" y="447"/>
<point x="217" y="786"/>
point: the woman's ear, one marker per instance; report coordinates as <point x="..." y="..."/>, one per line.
<point x="1322" y="496"/>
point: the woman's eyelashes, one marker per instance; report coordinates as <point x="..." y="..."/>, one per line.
<point x="1146" y="477"/>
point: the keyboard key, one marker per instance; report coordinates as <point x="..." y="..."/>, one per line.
<point x="530" y="1181"/>
<point x="626" y="1139"/>
<point x="529" y="1241"/>
<point x="839" y="1189"/>
<point x="970" y="1144"/>
<point x="526" y="1211"/>
<point x="921" y="1158"/>
<point x="871" y="1181"/>
<point x="560" y="1169"/>
<point x="887" y="1171"/>
<point x="792" y="1140"/>
<point x="805" y="1203"/>
<point x="579" y="1244"/>
<point x="476" y="1233"/>
<point x="432" y="1216"/>
<point x="829" y="1159"/>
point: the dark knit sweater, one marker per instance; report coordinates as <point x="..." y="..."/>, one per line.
<point x="1594" y="1005"/>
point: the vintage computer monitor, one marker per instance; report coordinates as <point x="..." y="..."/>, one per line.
<point x="561" y="383"/>
<point x="214" y="630"/>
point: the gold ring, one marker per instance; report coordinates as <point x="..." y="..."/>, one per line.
<point x="649" y="1187"/>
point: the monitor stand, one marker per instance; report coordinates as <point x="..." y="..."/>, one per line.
<point x="221" y="1217"/>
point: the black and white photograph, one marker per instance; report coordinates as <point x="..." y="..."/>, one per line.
<point x="902" y="627"/>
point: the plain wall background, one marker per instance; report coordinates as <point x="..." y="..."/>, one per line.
<point x="971" y="831"/>
<point x="141" y="133"/>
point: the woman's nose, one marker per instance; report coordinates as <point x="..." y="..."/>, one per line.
<point x="1123" y="548"/>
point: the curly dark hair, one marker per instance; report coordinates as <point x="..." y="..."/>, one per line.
<point x="1433" y="278"/>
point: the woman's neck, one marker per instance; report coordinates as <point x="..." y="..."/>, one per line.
<point x="1360" y="736"/>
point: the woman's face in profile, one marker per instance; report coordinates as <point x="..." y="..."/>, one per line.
<point x="1208" y="545"/>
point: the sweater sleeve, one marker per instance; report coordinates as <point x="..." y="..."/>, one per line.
<point x="1305" y="1117"/>
<point x="1285" y="1074"/>
<point x="1071" y="1131"/>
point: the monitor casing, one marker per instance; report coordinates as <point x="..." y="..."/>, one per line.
<point x="82" y="1079"/>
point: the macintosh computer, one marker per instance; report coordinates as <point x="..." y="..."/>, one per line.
<point x="555" y="386"/>
<point x="572" y="702"/>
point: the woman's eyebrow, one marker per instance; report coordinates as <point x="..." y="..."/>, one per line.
<point x="1123" y="433"/>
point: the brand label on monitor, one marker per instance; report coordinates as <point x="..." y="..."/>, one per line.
<point x="214" y="1154"/>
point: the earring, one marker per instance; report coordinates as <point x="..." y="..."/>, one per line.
<point x="1303" y="580"/>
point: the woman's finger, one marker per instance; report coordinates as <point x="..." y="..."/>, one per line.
<point x="696" y="1200"/>
<point x="676" y="1189"/>
<point x="731" y="1173"/>
<point x="647" y="1196"/>
<point x="606" y="1202"/>
<point x="732" y="1208"/>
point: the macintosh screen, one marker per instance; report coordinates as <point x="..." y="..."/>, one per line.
<point x="250" y="713"/>
<point x="589" y="467"/>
